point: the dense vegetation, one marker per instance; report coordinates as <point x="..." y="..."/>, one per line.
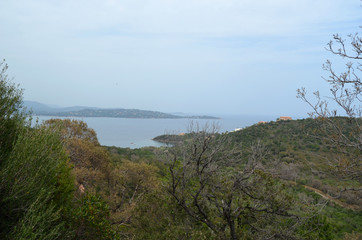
<point x="296" y="150"/>
<point x="36" y="183"/>
<point x="289" y="157"/>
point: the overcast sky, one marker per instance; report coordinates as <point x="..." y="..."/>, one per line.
<point x="193" y="56"/>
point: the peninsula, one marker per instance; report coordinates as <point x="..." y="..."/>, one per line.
<point x="40" y="109"/>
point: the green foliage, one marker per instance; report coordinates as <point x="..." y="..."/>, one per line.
<point x="171" y="138"/>
<point x="294" y="150"/>
<point x="304" y="154"/>
<point x="36" y="165"/>
<point x="233" y="196"/>
<point x="316" y="227"/>
<point x="159" y="217"/>
<point x="91" y="162"/>
<point x="146" y="154"/>
<point x="91" y="219"/>
<point x="343" y="220"/>
<point x="11" y="115"/>
<point x="36" y="183"/>
<point x="42" y="221"/>
<point x="73" y="129"/>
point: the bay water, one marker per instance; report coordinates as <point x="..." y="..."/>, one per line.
<point x="137" y="133"/>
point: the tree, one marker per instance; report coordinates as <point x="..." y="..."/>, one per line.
<point x="346" y="96"/>
<point x="91" y="219"/>
<point x="35" y="181"/>
<point x="120" y="187"/>
<point x="11" y="113"/>
<point x="231" y="196"/>
<point x="91" y="161"/>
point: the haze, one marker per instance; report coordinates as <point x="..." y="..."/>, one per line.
<point x="193" y="56"/>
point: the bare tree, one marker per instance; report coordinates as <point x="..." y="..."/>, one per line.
<point x="346" y="96"/>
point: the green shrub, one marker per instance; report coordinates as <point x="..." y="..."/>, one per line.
<point x="36" y="170"/>
<point x="91" y="219"/>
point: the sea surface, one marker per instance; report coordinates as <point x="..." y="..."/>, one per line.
<point x="137" y="133"/>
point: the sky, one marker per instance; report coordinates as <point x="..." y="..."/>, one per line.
<point x="192" y="56"/>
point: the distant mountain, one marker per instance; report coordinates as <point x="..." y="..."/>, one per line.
<point x="40" y="108"/>
<point x="36" y="106"/>
<point x="79" y="111"/>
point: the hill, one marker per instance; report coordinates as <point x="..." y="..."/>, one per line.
<point x="40" y="109"/>
<point x="296" y="150"/>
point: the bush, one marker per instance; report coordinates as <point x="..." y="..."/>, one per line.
<point x="36" y="183"/>
<point x="11" y="115"/>
<point x="91" y="219"/>
<point x="36" y="171"/>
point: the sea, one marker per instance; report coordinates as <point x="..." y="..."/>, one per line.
<point x="138" y="133"/>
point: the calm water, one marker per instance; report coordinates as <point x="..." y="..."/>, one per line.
<point x="136" y="133"/>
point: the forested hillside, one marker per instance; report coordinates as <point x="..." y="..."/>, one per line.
<point x="297" y="150"/>
<point x="294" y="153"/>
